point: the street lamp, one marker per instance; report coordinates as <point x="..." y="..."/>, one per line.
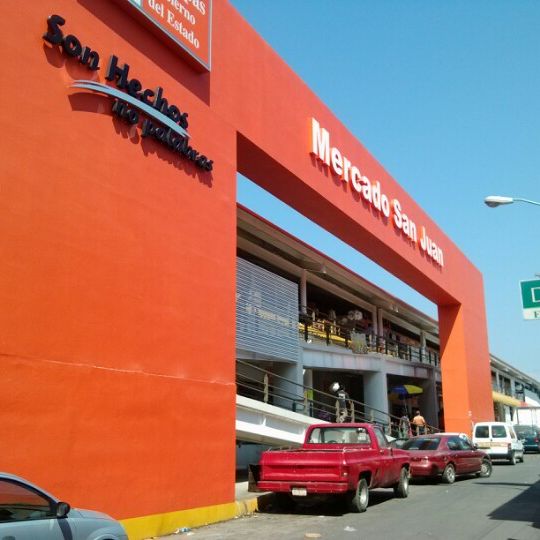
<point x="496" y="200"/>
<point x="531" y="309"/>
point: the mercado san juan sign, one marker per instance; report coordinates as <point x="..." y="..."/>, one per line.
<point x="372" y="193"/>
<point x="132" y="103"/>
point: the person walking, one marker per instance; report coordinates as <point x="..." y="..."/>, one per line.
<point x="418" y="423"/>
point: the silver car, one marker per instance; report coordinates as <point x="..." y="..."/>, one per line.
<point x="29" y="513"/>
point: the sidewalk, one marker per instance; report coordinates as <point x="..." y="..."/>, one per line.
<point x="245" y="503"/>
<point x="241" y="492"/>
<point x="257" y="501"/>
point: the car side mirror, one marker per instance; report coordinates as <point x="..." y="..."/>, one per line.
<point x="62" y="509"/>
<point x="475" y="446"/>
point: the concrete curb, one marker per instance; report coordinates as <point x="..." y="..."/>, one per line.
<point x="253" y="504"/>
<point x="163" y="525"/>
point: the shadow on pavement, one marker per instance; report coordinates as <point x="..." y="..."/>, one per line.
<point x="333" y="506"/>
<point x="435" y="480"/>
<point x="523" y="507"/>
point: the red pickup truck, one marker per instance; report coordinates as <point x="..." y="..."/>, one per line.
<point x="344" y="460"/>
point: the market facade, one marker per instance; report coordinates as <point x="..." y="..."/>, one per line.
<point x="122" y="141"/>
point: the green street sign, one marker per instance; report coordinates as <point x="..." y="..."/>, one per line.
<point x="530" y="298"/>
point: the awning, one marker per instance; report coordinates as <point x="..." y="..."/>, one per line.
<point x="507" y="400"/>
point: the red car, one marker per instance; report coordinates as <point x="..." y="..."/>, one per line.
<point x="446" y="456"/>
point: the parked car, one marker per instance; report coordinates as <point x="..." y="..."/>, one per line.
<point x="29" y="513"/>
<point x="530" y="436"/>
<point x="461" y="435"/>
<point x="339" y="460"/>
<point x="499" y="440"/>
<point x="446" y="456"/>
<point x="398" y="443"/>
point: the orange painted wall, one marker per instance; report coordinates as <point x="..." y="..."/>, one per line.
<point x="118" y="278"/>
<point x="272" y="119"/>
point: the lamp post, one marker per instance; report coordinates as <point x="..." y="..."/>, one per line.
<point x="496" y="200"/>
<point x="529" y="301"/>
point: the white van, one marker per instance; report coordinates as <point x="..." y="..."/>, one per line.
<point x="499" y="440"/>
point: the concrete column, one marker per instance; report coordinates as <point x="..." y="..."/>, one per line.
<point x="376" y="394"/>
<point x="308" y="394"/>
<point x="303" y="291"/>
<point x="428" y="401"/>
<point x="499" y="414"/>
<point x="423" y="352"/>
<point x="465" y="369"/>
<point x="380" y="326"/>
<point x="308" y="377"/>
<point x="289" y="393"/>
<point x="375" y="324"/>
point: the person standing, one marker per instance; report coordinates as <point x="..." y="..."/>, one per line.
<point x="342" y="402"/>
<point x="404" y="426"/>
<point x="418" y="423"/>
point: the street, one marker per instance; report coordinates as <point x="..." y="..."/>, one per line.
<point x="505" y="506"/>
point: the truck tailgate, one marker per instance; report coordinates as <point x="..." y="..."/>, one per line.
<point x="302" y="466"/>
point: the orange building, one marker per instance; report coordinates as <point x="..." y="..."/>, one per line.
<point x="121" y="143"/>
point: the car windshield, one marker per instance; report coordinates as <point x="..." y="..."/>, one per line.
<point x="482" y="432"/>
<point x="421" y="443"/>
<point x="342" y="435"/>
<point x="525" y="431"/>
<point x="498" y="432"/>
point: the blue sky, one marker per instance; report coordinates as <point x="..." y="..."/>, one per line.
<point x="446" y="95"/>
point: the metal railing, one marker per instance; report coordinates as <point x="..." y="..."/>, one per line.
<point x="309" y="401"/>
<point x="507" y="391"/>
<point x="361" y="341"/>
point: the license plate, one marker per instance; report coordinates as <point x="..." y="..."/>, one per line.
<point x="299" y="492"/>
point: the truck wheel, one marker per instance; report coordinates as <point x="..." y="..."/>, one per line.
<point x="360" y="497"/>
<point x="284" y="502"/>
<point x="401" y="489"/>
<point x="449" y="474"/>
<point x="485" y="469"/>
<point x="512" y="460"/>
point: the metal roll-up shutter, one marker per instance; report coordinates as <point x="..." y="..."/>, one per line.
<point x="266" y="313"/>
